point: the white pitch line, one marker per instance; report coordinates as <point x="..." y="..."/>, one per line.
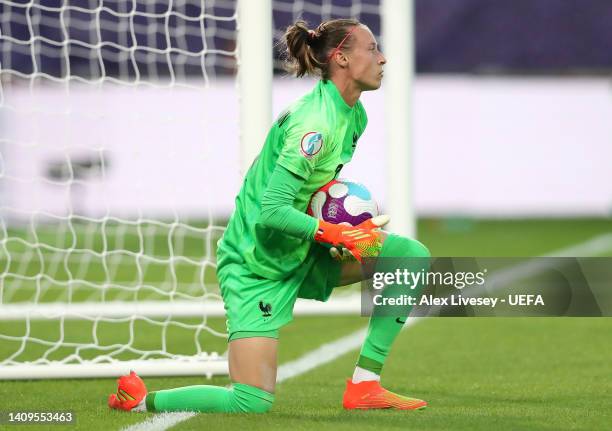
<point x="331" y="351"/>
<point x="323" y="354"/>
<point x="161" y="421"/>
<point x="591" y="248"/>
<point x="500" y="279"/>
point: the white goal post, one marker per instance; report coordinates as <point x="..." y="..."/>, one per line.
<point x="118" y="119"/>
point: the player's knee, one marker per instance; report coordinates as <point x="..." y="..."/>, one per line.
<point x="256" y="405"/>
<point x="250" y="399"/>
<point x="419" y="249"/>
<point x="396" y="245"/>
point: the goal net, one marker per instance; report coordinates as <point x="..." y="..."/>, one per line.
<point x="119" y="162"/>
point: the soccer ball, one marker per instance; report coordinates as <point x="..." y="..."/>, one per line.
<point x="343" y="202"/>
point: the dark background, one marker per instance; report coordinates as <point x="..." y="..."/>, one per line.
<point x="452" y="36"/>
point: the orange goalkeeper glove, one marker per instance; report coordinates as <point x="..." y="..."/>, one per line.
<point x="361" y="241"/>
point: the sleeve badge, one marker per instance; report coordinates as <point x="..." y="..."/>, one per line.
<point x="311" y="144"/>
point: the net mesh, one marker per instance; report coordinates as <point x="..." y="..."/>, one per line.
<point x="118" y="168"/>
<point x="107" y="159"/>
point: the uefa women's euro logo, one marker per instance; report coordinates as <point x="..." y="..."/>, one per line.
<point x="311" y="144"/>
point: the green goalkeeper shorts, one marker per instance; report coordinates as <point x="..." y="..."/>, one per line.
<point x="254" y="304"/>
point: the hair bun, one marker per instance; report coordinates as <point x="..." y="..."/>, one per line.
<point x="311" y="37"/>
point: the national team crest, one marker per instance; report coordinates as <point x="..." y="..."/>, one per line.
<point x="311" y="144"/>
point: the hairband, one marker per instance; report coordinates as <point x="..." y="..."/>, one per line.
<point x="336" y="49"/>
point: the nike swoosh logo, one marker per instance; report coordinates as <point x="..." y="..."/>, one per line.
<point x="399" y="321"/>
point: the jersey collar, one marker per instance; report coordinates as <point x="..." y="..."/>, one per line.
<point x="330" y="88"/>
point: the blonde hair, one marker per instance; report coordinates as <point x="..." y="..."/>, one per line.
<point x="307" y="51"/>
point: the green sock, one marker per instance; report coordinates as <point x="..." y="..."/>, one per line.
<point x="383" y="330"/>
<point x="214" y="399"/>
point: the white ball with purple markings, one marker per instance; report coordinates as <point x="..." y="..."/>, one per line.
<point x="343" y="202"/>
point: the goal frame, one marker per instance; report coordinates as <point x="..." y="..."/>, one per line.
<point x="254" y="50"/>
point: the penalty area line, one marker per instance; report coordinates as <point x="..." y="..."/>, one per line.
<point x="331" y="351"/>
<point x="323" y="354"/>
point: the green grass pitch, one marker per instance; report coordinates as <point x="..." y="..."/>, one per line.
<point x="478" y="373"/>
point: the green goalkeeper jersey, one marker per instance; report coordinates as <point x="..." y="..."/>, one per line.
<point x="313" y="139"/>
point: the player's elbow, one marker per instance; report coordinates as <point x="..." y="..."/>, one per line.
<point x="267" y="215"/>
<point x="273" y="212"/>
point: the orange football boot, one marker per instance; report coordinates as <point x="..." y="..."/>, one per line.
<point x="130" y="391"/>
<point x="370" y="395"/>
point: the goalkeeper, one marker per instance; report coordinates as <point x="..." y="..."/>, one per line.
<point x="272" y="252"/>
